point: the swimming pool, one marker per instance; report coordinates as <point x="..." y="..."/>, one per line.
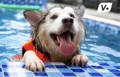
<point x="102" y="41"/>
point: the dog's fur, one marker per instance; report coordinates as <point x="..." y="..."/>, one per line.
<point x="46" y="22"/>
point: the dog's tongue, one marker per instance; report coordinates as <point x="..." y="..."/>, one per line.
<point x="67" y="46"/>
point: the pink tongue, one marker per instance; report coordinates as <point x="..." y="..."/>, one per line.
<point x="67" y="47"/>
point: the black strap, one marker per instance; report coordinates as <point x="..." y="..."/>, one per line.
<point x="23" y="51"/>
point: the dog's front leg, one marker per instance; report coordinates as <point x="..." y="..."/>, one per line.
<point x="32" y="62"/>
<point x="79" y="60"/>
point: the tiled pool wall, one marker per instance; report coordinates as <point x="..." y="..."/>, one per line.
<point x="102" y="27"/>
<point x="101" y="69"/>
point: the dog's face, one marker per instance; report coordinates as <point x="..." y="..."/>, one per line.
<point x="59" y="30"/>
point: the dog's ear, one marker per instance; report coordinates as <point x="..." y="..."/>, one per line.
<point x="34" y="17"/>
<point x="79" y="10"/>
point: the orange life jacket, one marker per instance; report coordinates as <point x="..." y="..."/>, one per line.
<point x="30" y="46"/>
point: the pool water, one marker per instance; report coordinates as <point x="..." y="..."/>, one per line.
<point x="99" y="45"/>
<point x="102" y="41"/>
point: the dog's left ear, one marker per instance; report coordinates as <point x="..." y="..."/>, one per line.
<point x="79" y="10"/>
<point x="34" y="17"/>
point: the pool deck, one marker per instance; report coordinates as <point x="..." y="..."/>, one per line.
<point x="111" y="17"/>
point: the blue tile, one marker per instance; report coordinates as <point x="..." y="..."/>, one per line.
<point x="117" y="74"/>
<point x="61" y="66"/>
<point x="74" y="67"/>
<point x="108" y="67"/>
<point x="1" y="74"/>
<point x="49" y="66"/>
<point x="108" y="74"/>
<point x="4" y="66"/>
<point x="118" y="67"/>
<point x="86" y="67"/>
<point x="40" y="74"/>
<point x="97" y="67"/>
<point x="23" y="66"/>
<point x="84" y="74"/>
<point x="95" y="74"/>
<point x="65" y="70"/>
<point x="119" y="32"/>
<point x="77" y="70"/>
<point x="0" y="70"/>
<point x="68" y="74"/>
<point x="48" y="63"/>
<point x="90" y="70"/>
<point x="55" y="74"/>
<point x="114" y="70"/>
<point x="6" y="74"/>
<point x="104" y="64"/>
<point x="29" y="74"/>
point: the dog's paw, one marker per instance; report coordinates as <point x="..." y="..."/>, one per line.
<point x="79" y="60"/>
<point x="32" y="62"/>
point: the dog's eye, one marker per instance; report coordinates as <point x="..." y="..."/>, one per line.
<point x="71" y="15"/>
<point x="54" y="17"/>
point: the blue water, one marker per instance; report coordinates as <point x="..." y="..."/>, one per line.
<point x="15" y="31"/>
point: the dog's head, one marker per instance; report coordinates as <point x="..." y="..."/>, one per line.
<point x="60" y="30"/>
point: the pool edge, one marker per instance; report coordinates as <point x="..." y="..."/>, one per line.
<point x="101" y="19"/>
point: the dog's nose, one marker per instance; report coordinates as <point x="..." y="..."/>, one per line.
<point x="68" y="21"/>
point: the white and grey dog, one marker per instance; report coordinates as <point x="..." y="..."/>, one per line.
<point x="59" y="33"/>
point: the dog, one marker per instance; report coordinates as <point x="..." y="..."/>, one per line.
<point x="56" y="37"/>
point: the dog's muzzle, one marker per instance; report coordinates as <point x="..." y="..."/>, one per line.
<point x="64" y="39"/>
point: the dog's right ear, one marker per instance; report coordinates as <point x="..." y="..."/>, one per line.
<point x="33" y="17"/>
<point x="79" y="10"/>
